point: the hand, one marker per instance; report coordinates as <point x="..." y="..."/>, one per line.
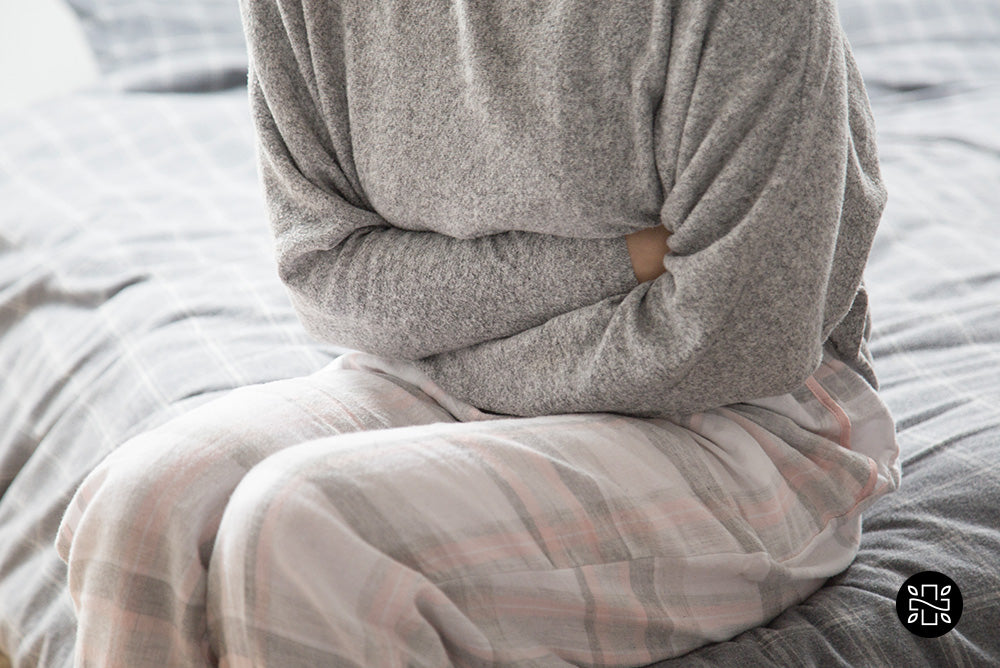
<point x="647" y="248"/>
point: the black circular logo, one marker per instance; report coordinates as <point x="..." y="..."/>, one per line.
<point x="929" y="604"/>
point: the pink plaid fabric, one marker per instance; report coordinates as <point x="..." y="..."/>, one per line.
<point x="360" y="516"/>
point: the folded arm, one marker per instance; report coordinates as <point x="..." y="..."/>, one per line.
<point x="773" y="194"/>
<point x="354" y="279"/>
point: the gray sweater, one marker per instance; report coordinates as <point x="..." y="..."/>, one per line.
<point x="450" y="182"/>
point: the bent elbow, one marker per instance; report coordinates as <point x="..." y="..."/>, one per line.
<point x="793" y="362"/>
<point x="774" y="362"/>
<point x="326" y="321"/>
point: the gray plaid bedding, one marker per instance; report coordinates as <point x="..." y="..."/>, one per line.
<point x="137" y="281"/>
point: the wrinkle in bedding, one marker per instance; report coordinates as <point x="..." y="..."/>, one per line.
<point x="91" y="163"/>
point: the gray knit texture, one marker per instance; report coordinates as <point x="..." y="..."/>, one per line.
<point x="450" y="182"/>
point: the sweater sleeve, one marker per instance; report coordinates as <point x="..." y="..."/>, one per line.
<point x="354" y="279"/>
<point x="766" y="152"/>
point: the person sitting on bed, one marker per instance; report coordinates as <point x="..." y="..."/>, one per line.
<point x="609" y="396"/>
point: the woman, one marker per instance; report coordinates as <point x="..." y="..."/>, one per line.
<point x="560" y="441"/>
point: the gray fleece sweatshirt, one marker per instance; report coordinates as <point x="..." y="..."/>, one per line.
<point x="450" y="182"/>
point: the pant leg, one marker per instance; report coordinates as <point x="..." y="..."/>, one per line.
<point x="583" y="540"/>
<point x="139" y="533"/>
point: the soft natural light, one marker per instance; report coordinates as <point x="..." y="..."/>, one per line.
<point x="42" y="52"/>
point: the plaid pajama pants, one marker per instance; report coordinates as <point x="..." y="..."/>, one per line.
<point x="360" y="516"/>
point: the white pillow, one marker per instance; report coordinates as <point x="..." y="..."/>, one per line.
<point x="43" y="52"/>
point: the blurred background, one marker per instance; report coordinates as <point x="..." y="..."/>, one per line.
<point x="137" y="281"/>
<point x="43" y="52"/>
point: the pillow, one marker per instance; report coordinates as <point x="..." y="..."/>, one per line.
<point x="165" y="45"/>
<point x="913" y="44"/>
<point x="43" y="53"/>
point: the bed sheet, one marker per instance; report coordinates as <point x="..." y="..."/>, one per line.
<point x="137" y="281"/>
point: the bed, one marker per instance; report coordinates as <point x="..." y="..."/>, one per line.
<point x="137" y="281"/>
